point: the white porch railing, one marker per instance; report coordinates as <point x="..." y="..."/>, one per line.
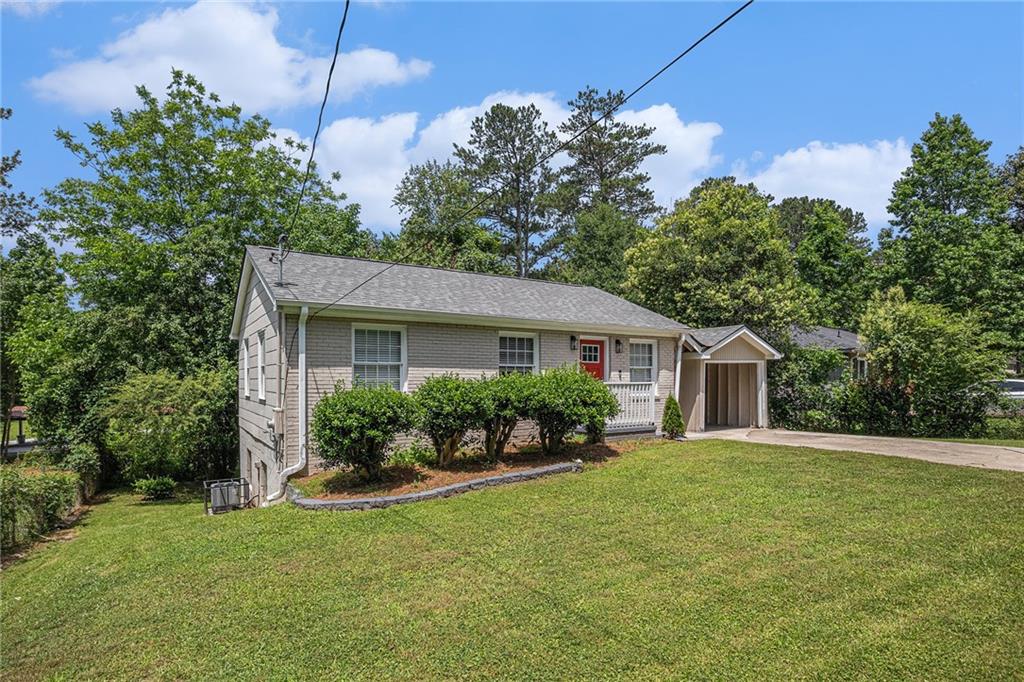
<point x="636" y="405"/>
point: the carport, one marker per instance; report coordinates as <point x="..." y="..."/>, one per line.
<point x="723" y="378"/>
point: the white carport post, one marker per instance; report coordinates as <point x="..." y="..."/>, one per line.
<point x="762" y="394"/>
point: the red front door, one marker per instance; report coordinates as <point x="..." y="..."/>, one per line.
<point x="592" y="357"/>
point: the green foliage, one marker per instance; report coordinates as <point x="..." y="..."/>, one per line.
<point x="163" y="425"/>
<point x="355" y="427"/>
<point x="84" y="460"/>
<point x="504" y="159"/>
<point x="672" y="425"/>
<point x="605" y="159"/>
<point x="564" y="399"/>
<point x="33" y="502"/>
<point x="158" y="488"/>
<point x="447" y="407"/>
<point x="17" y="209"/>
<point x="507" y="397"/>
<point x="836" y="267"/>
<point x="29" y="274"/>
<point x="439" y="225"/>
<point x="592" y="248"/>
<point x="416" y="453"/>
<point x="719" y="258"/>
<point x="1007" y="427"/>
<point x="807" y="389"/>
<point x="953" y="243"/>
<point x="929" y="369"/>
<point x="794" y="212"/>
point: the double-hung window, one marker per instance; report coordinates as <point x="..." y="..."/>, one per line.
<point x="860" y="368"/>
<point x="517" y="353"/>
<point x="641" y="362"/>
<point x="378" y="356"/>
<point x="261" y="367"/>
<point x="245" y="367"/>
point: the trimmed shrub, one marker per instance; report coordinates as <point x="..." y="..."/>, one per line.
<point x="672" y="425"/>
<point x="1006" y="428"/>
<point x="355" y="427"/>
<point x="447" y="407"/>
<point x="33" y="502"/>
<point x="564" y="399"/>
<point x="507" y="398"/>
<point x="159" y="488"/>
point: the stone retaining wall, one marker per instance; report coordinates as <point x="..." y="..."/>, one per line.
<point x="296" y="498"/>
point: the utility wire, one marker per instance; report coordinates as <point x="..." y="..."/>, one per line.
<point x="319" y="123"/>
<point x="488" y="196"/>
<point x="491" y="194"/>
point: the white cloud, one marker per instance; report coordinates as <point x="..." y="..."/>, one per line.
<point x="32" y="8"/>
<point x="232" y="48"/>
<point x="372" y="155"/>
<point x="856" y="175"/>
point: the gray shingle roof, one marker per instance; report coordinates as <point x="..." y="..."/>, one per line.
<point x="710" y="336"/>
<point x="826" y="337"/>
<point x="319" y="279"/>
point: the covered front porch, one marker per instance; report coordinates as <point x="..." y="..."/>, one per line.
<point x="723" y="378"/>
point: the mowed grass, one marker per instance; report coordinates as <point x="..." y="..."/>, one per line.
<point x="711" y="559"/>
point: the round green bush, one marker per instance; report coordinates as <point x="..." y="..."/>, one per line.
<point x="566" y="398"/>
<point x="507" y="398"/>
<point x="355" y="427"/>
<point x="158" y="488"/>
<point x="447" y="407"/>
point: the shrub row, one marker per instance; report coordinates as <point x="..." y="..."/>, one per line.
<point x="356" y="427"/>
<point x="33" y="502"/>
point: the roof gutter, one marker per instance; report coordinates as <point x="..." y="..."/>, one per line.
<point x="303" y="402"/>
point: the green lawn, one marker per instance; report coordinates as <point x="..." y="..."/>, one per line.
<point x="706" y="559"/>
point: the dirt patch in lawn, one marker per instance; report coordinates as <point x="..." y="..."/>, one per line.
<point x="402" y="479"/>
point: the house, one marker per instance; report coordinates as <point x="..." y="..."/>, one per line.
<point x="321" y="320"/>
<point x="833" y="338"/>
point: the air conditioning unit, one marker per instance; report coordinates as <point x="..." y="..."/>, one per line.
<point x="225" y="494"/>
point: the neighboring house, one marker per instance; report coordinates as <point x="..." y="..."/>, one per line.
<point x="833" y="338"/>
<point x="336" y="319"/>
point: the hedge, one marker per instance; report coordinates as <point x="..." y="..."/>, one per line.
<point x="34" y="502"/>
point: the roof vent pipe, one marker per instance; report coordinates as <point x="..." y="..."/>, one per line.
<point x="303" y="435"/>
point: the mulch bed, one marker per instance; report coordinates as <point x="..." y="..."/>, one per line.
<point x="403" y="479"/>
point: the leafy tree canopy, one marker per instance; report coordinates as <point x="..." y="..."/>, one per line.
<point x="719" y="258"/>
<point x="593" y="250"/>
<point x="795" y="211"/>
<point x="952" y="242"/>
<point x="17" y="209"/>
<point x="836" y="267"/>
<point x="440" y="227"/>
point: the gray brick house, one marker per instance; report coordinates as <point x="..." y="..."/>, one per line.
<point x="399" y="324"/>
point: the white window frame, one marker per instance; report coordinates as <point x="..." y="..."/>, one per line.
<point x="404" y="371"/>
<point x="524" y="335"/>
<point x="583" y="338"/>
<point x="245" y="367"/>
<point x="654" y="361"/>
<point x="858" y="362"/>
<point x="261" y="366"/>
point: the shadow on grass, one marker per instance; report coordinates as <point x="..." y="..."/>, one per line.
<point x="65" y="531"/>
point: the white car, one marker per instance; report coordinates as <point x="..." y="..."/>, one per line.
<point x="1012" y="388"/>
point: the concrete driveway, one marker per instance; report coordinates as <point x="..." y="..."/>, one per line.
<point x="961" y="454"/>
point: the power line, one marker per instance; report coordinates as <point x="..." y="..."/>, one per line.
<point x="491" y="194"/>
<point x="558" y="149"/>
<point x="319" y="123"/>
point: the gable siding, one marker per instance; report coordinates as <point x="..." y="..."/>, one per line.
<point x="253" y="413"/>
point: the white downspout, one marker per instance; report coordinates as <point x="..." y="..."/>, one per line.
<point x="303" y="398"/>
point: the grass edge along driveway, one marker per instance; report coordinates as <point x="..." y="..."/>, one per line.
<point x="706" y="559"/>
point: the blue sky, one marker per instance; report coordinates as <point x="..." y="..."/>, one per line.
<point x="801" y="98"/>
